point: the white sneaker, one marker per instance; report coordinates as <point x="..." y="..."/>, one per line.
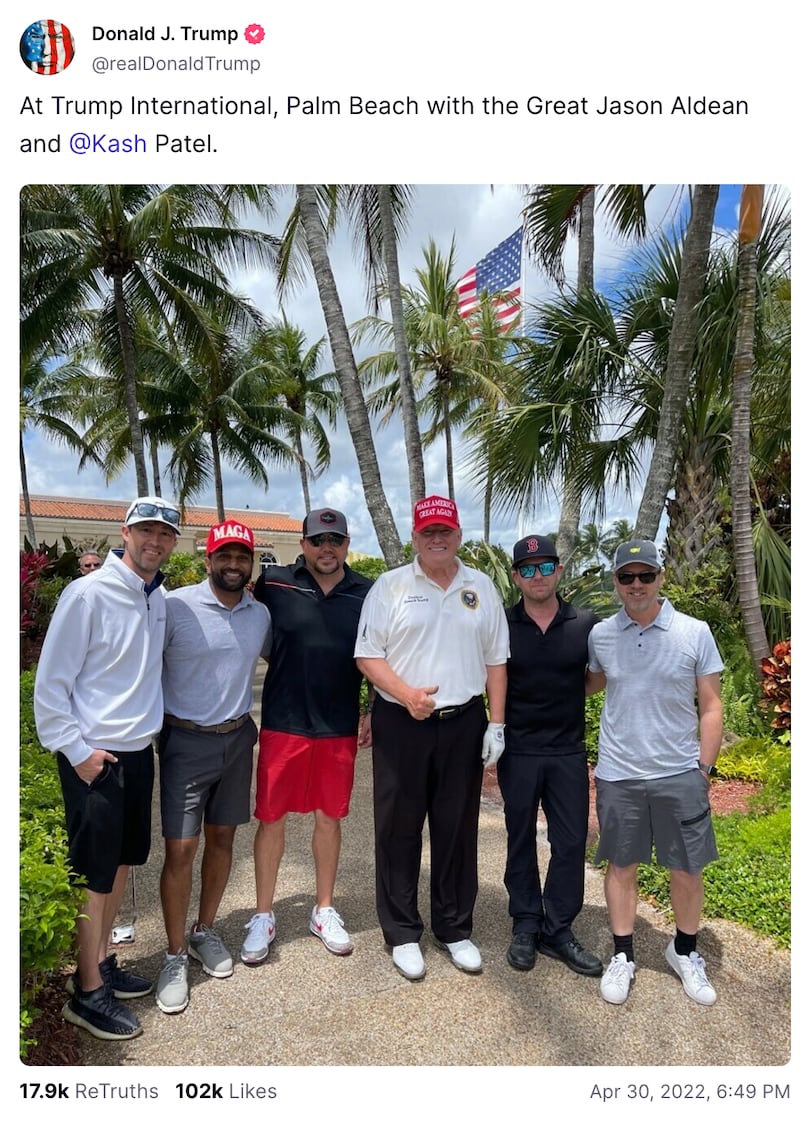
<point x="464" y="954"/>
<point x="409" y="961"/>
<point x="616" y="982"/>
<point x="327" y="925"/>
<point x="691" y="969"/>
<point x="261" y="932"/>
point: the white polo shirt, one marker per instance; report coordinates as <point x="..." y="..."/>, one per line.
<point x="433" y="636"/>
<point x="649" y="723"/>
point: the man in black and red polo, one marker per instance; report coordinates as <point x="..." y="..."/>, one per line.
<point x="309" y="721"/>
<point x="545" y="761"/>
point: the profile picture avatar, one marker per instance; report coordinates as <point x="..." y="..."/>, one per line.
<point x="47" y="47"/>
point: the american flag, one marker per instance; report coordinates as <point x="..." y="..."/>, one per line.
<point x="499" y="271"/>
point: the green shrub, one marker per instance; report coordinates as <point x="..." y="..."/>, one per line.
<point x="182" y="569"/>
<point x="49" y="901"/>
<point x="594" y="707"/>
<point x="750" y="883"/>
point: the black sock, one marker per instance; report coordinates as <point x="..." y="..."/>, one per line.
<point x="684" y="944"/>
<point x="623" y="944"/>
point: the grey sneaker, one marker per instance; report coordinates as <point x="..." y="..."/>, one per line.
<point x="260" y="933"/>
<point x="206" y="946"/>
<point x="172" y="987"/>
<point x="691" y="969"/>
<point x="101" y="1014"/>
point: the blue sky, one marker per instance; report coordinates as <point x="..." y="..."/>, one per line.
<point x="479" y="217"/>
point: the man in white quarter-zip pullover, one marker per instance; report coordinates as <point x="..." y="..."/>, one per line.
<point x="98" y="705"/>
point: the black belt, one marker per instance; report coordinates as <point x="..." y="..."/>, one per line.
<point x="226" y="726"/>
<point x="454" y="710"/>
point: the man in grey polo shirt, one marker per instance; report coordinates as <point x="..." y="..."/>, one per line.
<point x="660" y="735"/>
<point x="215" y="634"/>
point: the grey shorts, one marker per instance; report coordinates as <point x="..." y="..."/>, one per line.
<point x="673" y="814"/>
<point x="204" y="776"/>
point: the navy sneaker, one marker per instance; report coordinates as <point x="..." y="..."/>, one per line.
<point x="101" y="1014"/>
<point x="123" y="984"/>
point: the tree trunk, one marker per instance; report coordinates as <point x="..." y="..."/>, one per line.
<point x="301" y="461"/>
<point x="355" y="407"/>
<point x="131" y="399"/>
<point x="570" y="521"/>
<point x="448" y="442"/>
<point x="569" y="524"/>
<point x="694" y="513"/>
<point x="217" y="461"/>
<point x="154" y="466"/>
<point x="586" y="242"/>
<point x="677" y="376"/>
<point x="26" y="499"/>
<point x="741" y="510"/>
<point x="416" y="465"/>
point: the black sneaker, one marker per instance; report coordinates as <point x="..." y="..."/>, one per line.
<point x="101" y="1014"/>
<point x="123" y="984"/>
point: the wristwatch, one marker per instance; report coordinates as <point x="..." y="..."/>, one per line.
<point x="709" y="769"/>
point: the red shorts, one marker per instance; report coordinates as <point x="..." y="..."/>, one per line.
<point x="303" y="773"/>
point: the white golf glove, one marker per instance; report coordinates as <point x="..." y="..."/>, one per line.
<point x="494" y="743"/>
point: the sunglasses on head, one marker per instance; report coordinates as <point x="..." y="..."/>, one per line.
<point x="326" y="539"/>
<point x="152" y="510"/>
<point x="643" y="578"/>
<point x="528" y="568"/>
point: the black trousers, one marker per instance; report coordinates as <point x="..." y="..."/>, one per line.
<point x="561" y="785"/>
<point x="430" y="769"/>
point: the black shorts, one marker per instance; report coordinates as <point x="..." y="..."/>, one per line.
<point x="108" y="820"/>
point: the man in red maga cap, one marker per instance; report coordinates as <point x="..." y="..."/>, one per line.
<point x="216" y="632"/>
<point x="432" y="639"/>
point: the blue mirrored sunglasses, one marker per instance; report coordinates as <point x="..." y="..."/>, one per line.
<point x="546" y="568"/>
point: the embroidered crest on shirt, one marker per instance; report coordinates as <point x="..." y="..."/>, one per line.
<point x="469" y="599"/>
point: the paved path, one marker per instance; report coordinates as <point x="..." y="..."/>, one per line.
<point x="305" y="1006"/>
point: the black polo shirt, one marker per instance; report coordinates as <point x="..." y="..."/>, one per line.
<point x="312" y="683"/>
<point x="546" y="671"/>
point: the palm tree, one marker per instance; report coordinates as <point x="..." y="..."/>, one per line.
<point x="682" y="343"/>
<point x="47" y="398"/>
<point x="309" y="202"/>
<point x="377" y="216"/>
<point x="742" y="524"/>
<point x="138" y="248"/>
<point x="551" y="213"/>
<point x="456" y="363"/>
<point x="290" y="370"/>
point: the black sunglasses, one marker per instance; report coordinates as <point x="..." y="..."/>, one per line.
<point x="546" y="568"/>
<point x="151" y="510"/>
<point x="326" y="539"/>
<point x="643" y="578"/>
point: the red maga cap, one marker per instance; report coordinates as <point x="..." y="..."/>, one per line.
<point x="435" y="511"/>
<point x="229" y="533"/>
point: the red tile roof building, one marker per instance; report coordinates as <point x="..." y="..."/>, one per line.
<point x="87" y="522"/>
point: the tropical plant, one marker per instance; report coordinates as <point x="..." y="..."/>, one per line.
<point x="680" y="353"/>
<point x="150" y="250"/>
<point x="550" y="214"/>
<point x="48" y="392"/>
<point x="291" y="372"/>
<point x="458" y="365"/>
<point x="310" y="203"/>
